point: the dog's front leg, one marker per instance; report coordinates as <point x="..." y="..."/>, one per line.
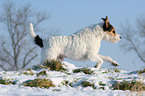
<point x="97" y="59"/>
<point x="109" y="59"/>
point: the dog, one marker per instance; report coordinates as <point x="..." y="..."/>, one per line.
<point x="82" y="45"/>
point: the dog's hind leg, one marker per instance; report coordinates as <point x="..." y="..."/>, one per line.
<point x="60" y="57"/>
<point x="109" y="59"/>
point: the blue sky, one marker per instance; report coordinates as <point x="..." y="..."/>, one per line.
<point x="68" y="16"/>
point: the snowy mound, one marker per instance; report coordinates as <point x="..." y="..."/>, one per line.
<point x="73" y="81"/>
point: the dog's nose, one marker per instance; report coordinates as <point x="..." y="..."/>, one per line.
<point x="120" y="37"/>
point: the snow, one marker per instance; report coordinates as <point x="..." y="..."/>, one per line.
<point x="105" y="76"/>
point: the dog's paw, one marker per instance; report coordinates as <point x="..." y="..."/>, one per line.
<point x="114" y="64"/>
<point x="97" y="66"/>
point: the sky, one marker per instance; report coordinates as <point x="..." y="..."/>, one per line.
<point x="68" y="16"/>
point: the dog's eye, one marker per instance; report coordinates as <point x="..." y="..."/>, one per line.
<point x="114" y="32"/>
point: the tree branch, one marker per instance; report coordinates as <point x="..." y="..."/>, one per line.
<point x="40" y="18"/>
<point x="16" y="22"/>
<point x="6" y="61"/>
<point x="6" y="51"/>
<point x="25" y="57"/>
<point x="24" y="65"/>
<point x="3" y="67"/>
<point x="136" y="50"/>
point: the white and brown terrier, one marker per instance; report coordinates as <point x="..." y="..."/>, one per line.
<point x="82" y="45"/>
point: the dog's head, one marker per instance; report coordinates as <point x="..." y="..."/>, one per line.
<point x="109" y="31"/>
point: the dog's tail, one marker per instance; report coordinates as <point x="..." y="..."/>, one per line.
<point x="38" y="41"/>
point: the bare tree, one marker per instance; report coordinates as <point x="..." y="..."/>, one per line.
<point x="134" y="37"/>
<point x="15" y="53"/>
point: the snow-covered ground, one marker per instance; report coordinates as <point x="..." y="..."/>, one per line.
<point x="101" y="78"/>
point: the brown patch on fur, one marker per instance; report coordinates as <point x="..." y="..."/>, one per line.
<point x="112" y="32"/>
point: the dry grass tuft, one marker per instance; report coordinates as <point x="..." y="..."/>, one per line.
<point x="42" y="83"/>
<point x="54" y="65"/>
<point x="133" y="86"/>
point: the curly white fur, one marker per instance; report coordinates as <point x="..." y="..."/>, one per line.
<point x="84" y="44"/>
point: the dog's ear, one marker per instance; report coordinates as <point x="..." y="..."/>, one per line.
<point x="106" y="21"/>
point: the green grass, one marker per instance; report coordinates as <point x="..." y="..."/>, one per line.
<point x="84" y="70"/>
<point x="83" y="84"/>
<point x="141" y="71"/>
<point x="42" y="73"/>
<point x="28" y="73"/>
<point x="101" y="83"/>
<point x="65" y="83"/>
<point x="116" y="70"/>
<point x="6" y="82"/>
<point x="112" y="70"/>
<point x="37" y="67"/>
<point x="86" y="84"/>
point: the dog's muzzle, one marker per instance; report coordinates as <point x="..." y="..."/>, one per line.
<point x="117" y="38"/>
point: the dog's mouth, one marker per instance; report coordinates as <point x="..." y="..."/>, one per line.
<point x="116" y="39"/>
<point x="113" y="39"/>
